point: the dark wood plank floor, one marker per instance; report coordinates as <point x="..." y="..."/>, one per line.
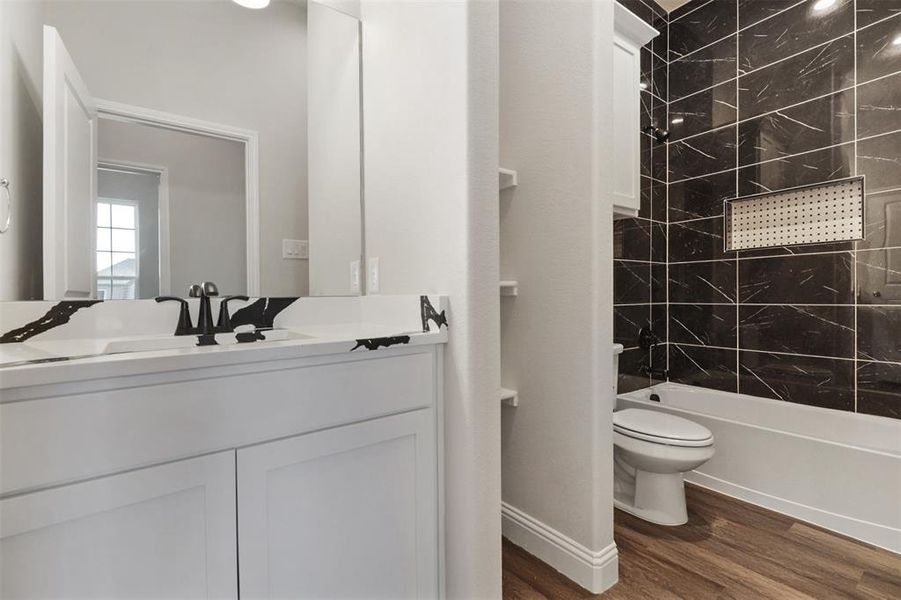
<point x="728" y="549"/>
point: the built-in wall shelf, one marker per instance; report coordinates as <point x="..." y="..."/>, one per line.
<point x="507" y="178"/>
<point x="509" y="287"/>
<point x="509" y="397"/>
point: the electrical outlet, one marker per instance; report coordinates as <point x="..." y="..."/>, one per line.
<point x="355" y="276"/>
<point x="372" y="280"/>
<point x="296" y="249"/>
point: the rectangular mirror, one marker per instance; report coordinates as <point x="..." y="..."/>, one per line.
<point x="150" y="145"/>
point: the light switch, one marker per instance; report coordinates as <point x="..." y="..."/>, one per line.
<point x="296" y="249"/>
<point x="372" y="280"/>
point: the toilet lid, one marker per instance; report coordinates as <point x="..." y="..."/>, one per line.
<point x="660" y="427"/>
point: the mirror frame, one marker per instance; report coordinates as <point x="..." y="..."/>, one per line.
<point x="117" y="111"/>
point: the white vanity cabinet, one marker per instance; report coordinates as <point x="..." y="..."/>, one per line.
<point x="630" y="34"/>
<point x="299" y="478"/>
<point x="342" y="513"/>
<point x="159" y="532"/>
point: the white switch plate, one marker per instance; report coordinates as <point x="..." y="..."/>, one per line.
<point x="355" y="276"/>
<point x="296" y="249"/>
<point x="372" y="280"/>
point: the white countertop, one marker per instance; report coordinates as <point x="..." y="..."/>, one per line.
<point x="82" y="359"/>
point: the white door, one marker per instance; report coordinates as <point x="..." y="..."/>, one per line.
<point x="349" y="512"/>
<point x="70" y="175"/>
<point x="160" y="532"/>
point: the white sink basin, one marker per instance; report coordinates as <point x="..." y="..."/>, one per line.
<point x="50" y="350"/>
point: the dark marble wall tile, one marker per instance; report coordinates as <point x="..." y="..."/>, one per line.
<point x="797" y="250"/>
<point x="628" y="321"/>
<point x="706" y="367"/>
<point x="823" y="382"/>
<point x="697" y="240"/>
<point x="815" y="124"/>
<point x="659" y="76"/>
<point x="754" y="11"/>
<point x="879" y="276"/>
<point x="702" y="282"/>
<point x="879" y="333"/>
<point x="641" y="9"/>
<point x="870" y="11"/>
<point x="813" y="73"/>
<point x="882" y="229"/>
<point x="645" y="143"/>
<point x="659" y="282"/>
<point x="659" y="318"/>
<point x="818" y="166"/>
<point x="658" y="160"/>
<point x="877" y="54"/>
<point x="879" y="389"/>
<point x="644" y="83"/>
<point x="703" y="324"/>
<point x="801" y="27"/>
<point x="700" y="197"/>
<point x="658" y="201"/>
<point x="658" y="242"/>
<point x="879" y="160"/>
<point x="705" y="68"/>
<point x="632" y="239"/>
<point x="631" y="282"/>
<point x="633" y="366"/>
<point x="709" y="23"/>
<point x="660" y="44"/>
<point x="703" y="154"/>
<point x="879" y="106"/>
<point x="799" y="279"/>
<point x="814" y="330"/>
<point x="703" y="111"/>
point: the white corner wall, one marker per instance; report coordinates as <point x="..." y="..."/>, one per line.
<point x="431" y="214"/>
<point x="556" y="241"/>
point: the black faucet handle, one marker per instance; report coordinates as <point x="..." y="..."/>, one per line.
<point x="224" y="323"/>
<point x="185" y="326"/>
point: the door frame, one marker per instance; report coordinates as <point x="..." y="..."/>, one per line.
<point x="165" y="259"/>
<point x="117" y="111"/>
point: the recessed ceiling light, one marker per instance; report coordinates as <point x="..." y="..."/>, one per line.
<point x="257" y="3"/>
<point x="897" y="40"/>
<point x="823" y="4"/>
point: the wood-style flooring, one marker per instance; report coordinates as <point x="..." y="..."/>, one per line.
<point x="728" y="549"/>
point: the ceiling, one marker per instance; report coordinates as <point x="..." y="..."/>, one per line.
<point x="671" y="5"/>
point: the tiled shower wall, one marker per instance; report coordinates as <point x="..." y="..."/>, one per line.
<point x="770" y="94"/>
<point x="640" y="243"/>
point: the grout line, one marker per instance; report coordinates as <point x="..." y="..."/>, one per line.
<point x="667" y="211"/>
<point x="848" y="305"/>
<point x="737" y="162"/>
<point x="741" y="258"/>
<point x="820" y="356"/>
<point x="854" y="288"/>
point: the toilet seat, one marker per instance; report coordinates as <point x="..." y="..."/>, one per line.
<point x="661" y="428"/>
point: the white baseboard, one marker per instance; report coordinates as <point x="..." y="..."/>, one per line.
<point x="871" y="533"/>
<point x="596" y="571"/>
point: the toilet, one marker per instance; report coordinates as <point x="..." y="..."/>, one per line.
<point x="651" y="451"/>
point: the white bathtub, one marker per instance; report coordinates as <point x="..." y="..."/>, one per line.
<point x="838" y="470"/>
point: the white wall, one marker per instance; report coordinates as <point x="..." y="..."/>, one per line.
<point x="333" y="116"/>
<point x="430" y="138"/>
<point x="216" y="61"/>
<point x="207" y="213"/>
<point x="21" y="149"/>
<point x="556" y="241"/>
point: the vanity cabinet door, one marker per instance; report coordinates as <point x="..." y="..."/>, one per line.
<point x="160" y="532"/>
<point x="349" y="512"/>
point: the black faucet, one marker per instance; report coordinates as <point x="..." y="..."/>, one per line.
<point x="185" y="326"/>
<point x="224" y="324"/>
<point x="204" y="291"/>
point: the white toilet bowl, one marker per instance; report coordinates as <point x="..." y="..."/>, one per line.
<point x="651" y="452"/>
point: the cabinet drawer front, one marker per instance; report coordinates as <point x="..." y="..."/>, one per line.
<point x="68" y="438"/>
<point x="346" y="513"/>
<point x="160" y="532"/>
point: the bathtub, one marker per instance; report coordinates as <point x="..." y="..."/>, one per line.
<point x="838" y="470"/>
